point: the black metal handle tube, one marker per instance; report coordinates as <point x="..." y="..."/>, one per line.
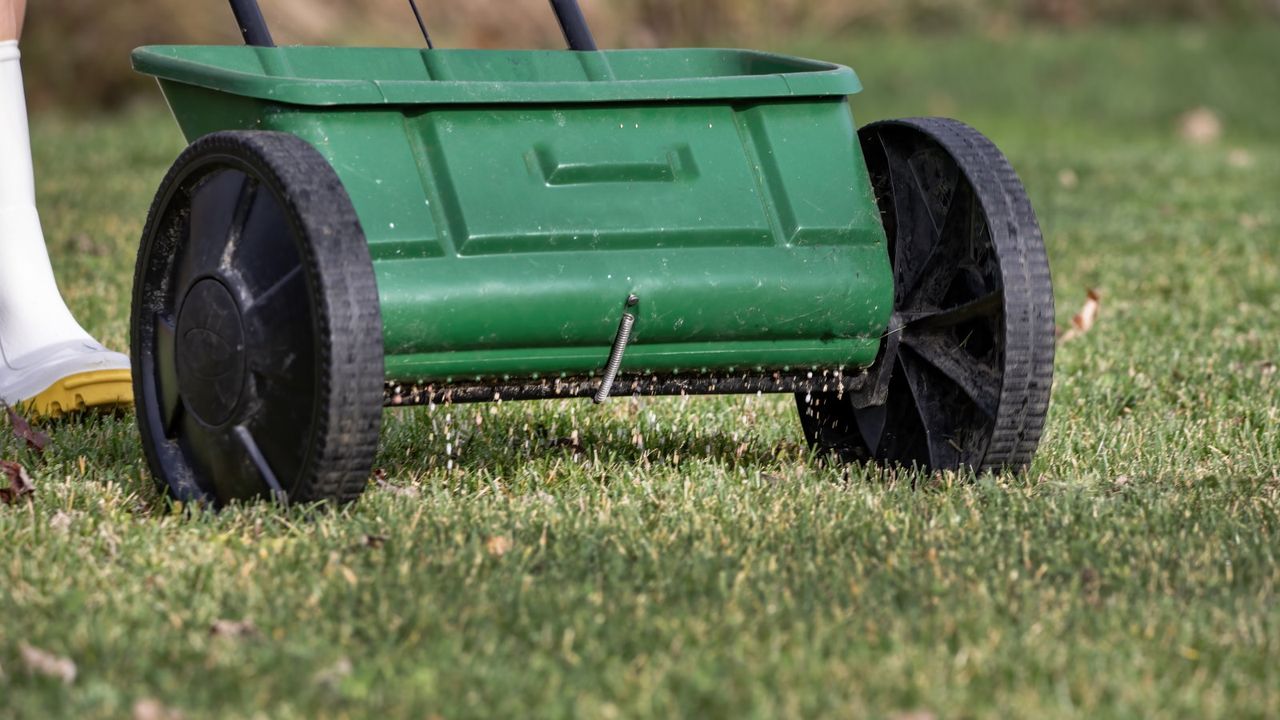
<point x="252" y="25"/>
<point x="574" y="25"/>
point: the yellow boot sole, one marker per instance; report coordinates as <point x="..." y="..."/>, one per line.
<point x="101" y="390"/>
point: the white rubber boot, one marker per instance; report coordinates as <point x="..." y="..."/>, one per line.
<point x="48" y="363"/>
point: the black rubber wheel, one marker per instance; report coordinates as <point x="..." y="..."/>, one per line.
<point x="256" y="330"/>
<point x="965" y="369"/>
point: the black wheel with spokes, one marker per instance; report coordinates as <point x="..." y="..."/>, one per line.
<point x="256" y="329"/>
<point x="965" y="369"/>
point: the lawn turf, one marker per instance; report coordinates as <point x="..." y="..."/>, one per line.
<point x="693" y="559"/>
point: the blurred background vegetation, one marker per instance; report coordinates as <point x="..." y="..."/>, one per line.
<point x="76" y="53"/>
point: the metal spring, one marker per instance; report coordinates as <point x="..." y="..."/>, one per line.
<point x="615" y="355"/>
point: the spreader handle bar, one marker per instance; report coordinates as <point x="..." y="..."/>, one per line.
<point x="574" y="25"/>
<point x="252" y="25"/>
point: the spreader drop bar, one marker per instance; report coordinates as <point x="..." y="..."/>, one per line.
<point x="808" y="383"/>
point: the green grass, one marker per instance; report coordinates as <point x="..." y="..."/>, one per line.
<point x="694" y="560"/>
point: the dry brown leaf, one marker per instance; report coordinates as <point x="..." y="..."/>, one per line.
<point x="150" y="709"/>
<point x="1200" y="126"/>
<point x="410" y="491"/>
<point x="498" y="545"/>
<point x="40" y="662"/>
<point x="1088" y="315"/>
<point x="1084" y="320"/>
<point x="20" y="484"/>
<point x="234" y="629"/>
<point x="61" y="521"/>
<point x="333" y="675"/>
<point x="22" y="430"/>
<point x="349" y="575"/>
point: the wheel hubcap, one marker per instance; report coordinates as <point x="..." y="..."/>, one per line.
<point x="211" y="352"/>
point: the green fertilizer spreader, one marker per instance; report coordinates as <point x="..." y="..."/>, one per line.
<point x="359" y="228"/>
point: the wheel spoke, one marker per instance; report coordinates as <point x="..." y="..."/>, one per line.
<point x="918" y="231"/>
<point x="288" y="289"/>
<point x="279" y="330"/>
<point x="229" y="457"/>
<point x="209" y="452"/>
<point x="258" y="461"/>
<point x="934" y="416"/>
<point x="263" y="252"/>
<point x="283" y="370"/>
<point x="938" y="270"/>
<point x="905" y="438"/>
<point x="988" y="306"/>
<point x="871" y="423"/>
<point x="979" y="383"/>
<point x="280" y="430"/>
<point x="882" y="371"/>
<point x="219" y="207"/>
<point x="168" y="397"/>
